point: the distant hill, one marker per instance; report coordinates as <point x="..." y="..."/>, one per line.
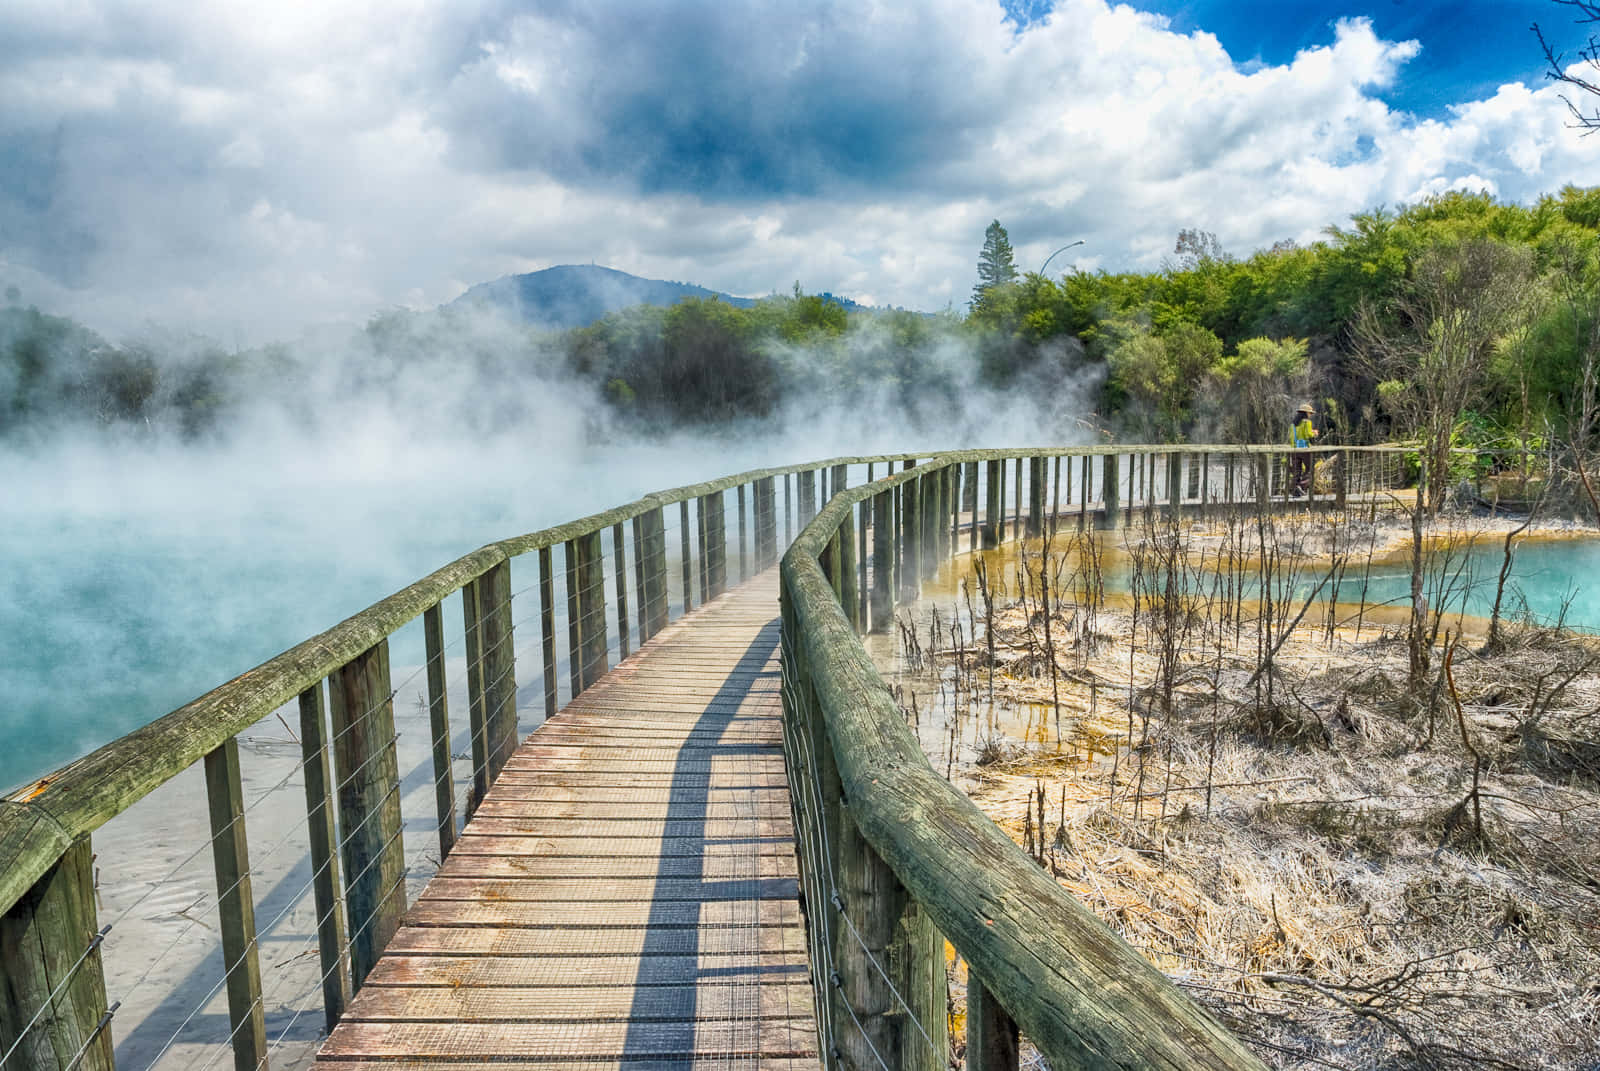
<point x="573" y="295"/>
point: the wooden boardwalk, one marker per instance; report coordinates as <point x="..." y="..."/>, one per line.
<point x="626" y="895"/>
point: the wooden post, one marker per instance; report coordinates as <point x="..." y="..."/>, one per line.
<point x="1088" y="490"/>
<point x="591" y="647"/>
<point x="849" y="588"/>
<point x="688" y="554"/>
<point x="808" y="496"/>
<point x="899" y="939"/>
<point x="478" y="735"/>
<point x="236" y="907"/>
<point x="970" y="501"/>
<point x="766" y="523"/>
<point x="863" y="588"/>
<point x="622" y="589"/>
<point x="1016" y="515"/>
<point x="1341" y="480"/>
<point x="715" y="548"/>
<point x="910" y="542"/>
<point x="956" y="492"/>
<point x="444" y="784"/>
<point x="1263" y="485"/>
<point x="547" y="627"/>
<point x="1036" y="495"/>
<point x="641" y="600"/>
<point x="882" y="604"/>
<point x="788" y="509"/>
<point x="1175" y="483"/>
<point x="43" y="938"/>
<point x="1055" y="513"/>
<point x="1110" y="488"/>
<point x="701" y="531"/>
<point x="744" y="541"/>
<point x="361" y="703"/>
<point x="496" y="643"/>
<point x="325" y="861"/>
<point x="991" y="1034"/>
<point x="1205" y="485"/>
<point x="838" y="481"/>
<point x="653" y="529"/>
<point x="993" y="492"/>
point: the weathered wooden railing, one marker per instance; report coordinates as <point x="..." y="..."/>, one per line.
<point x="894" y="860"/>
<point x="903" y="854"/>
<point x="53" y="1001"/>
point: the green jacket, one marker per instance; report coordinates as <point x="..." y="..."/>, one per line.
<point x="1303" y="433"/>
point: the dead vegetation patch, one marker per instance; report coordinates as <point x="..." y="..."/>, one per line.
<point x="1361" y="845"/>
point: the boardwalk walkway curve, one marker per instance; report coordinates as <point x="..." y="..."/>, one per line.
<point x="624" y="891"/>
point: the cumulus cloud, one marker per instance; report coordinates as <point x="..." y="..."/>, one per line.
<point x="248" y="171"/>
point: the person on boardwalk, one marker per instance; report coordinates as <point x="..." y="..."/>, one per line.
<point x="1300" y="461"/>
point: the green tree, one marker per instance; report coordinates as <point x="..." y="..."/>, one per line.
<point x="1430" y="345"/>
<point x="996" y="265"/>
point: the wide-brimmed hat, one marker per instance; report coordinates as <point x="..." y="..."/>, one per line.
<point x="1306" y="408"/>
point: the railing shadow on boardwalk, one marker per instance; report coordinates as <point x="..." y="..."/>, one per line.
<point x="689" y="802"/>
<point x="54" y="1010"/>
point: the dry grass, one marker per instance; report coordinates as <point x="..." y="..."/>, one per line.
<point x="1352" y="874"/>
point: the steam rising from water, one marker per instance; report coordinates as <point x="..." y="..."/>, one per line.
<point x="144" y="570"/>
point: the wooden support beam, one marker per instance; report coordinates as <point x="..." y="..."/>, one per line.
<point x="49" y="945"/>
<point x="361" y="703"/>
<point x="863" y="556"/>
<point x="909" y="572"/>
<point x="236" y="907"/>
<point x="621" y="557"/>
<point x="687" y="550"/>
<point x="766" y="523"/>
<point x="849" y="588"/>
<point x="888" y="933"/>
<point x="1110" y="488"/>
<point x="1175" y="483"/>
<point x="701" y="533"/>
<point x="1037" y="480"/>
<point x="471" y="619"/>
<point x="641" y="599"/>
<point x="325" y="860"/>
<point x="993" y="523"/>
<point x="496" y="642"/>
<point x="655" y="600"/>
<point x="715" y="550"/>
<point x="744" y="539"/>
<point x="591" y="607"/>
<point x="1016" y="515"/>
<point x="547" y="627"/>
<point x="808" y="496"/>
<point x="882" y="603"/>
<point x="444" y="784"/>
<point x="992" y="1041"/>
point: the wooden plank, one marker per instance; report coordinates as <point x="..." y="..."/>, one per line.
<point x="487" y="1041"/>
<point x="707" y="999"/>
<point x="602" y="914"/>
<point x="397" y="969"/>
<point x="582" y="889"/>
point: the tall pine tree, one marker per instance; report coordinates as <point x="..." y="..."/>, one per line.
<point x="996" y="267"/>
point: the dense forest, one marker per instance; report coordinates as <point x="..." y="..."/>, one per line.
<point x="1458" y="320"/>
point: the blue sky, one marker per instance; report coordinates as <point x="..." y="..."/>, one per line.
<point x="1469" y="48"/>
<point x="249" y="170"/>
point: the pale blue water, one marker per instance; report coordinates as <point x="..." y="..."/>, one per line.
<point x="1545" y="575"/>
<point x="128" y="586"/>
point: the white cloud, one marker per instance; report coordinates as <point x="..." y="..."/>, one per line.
<point x="249" y="171"/>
